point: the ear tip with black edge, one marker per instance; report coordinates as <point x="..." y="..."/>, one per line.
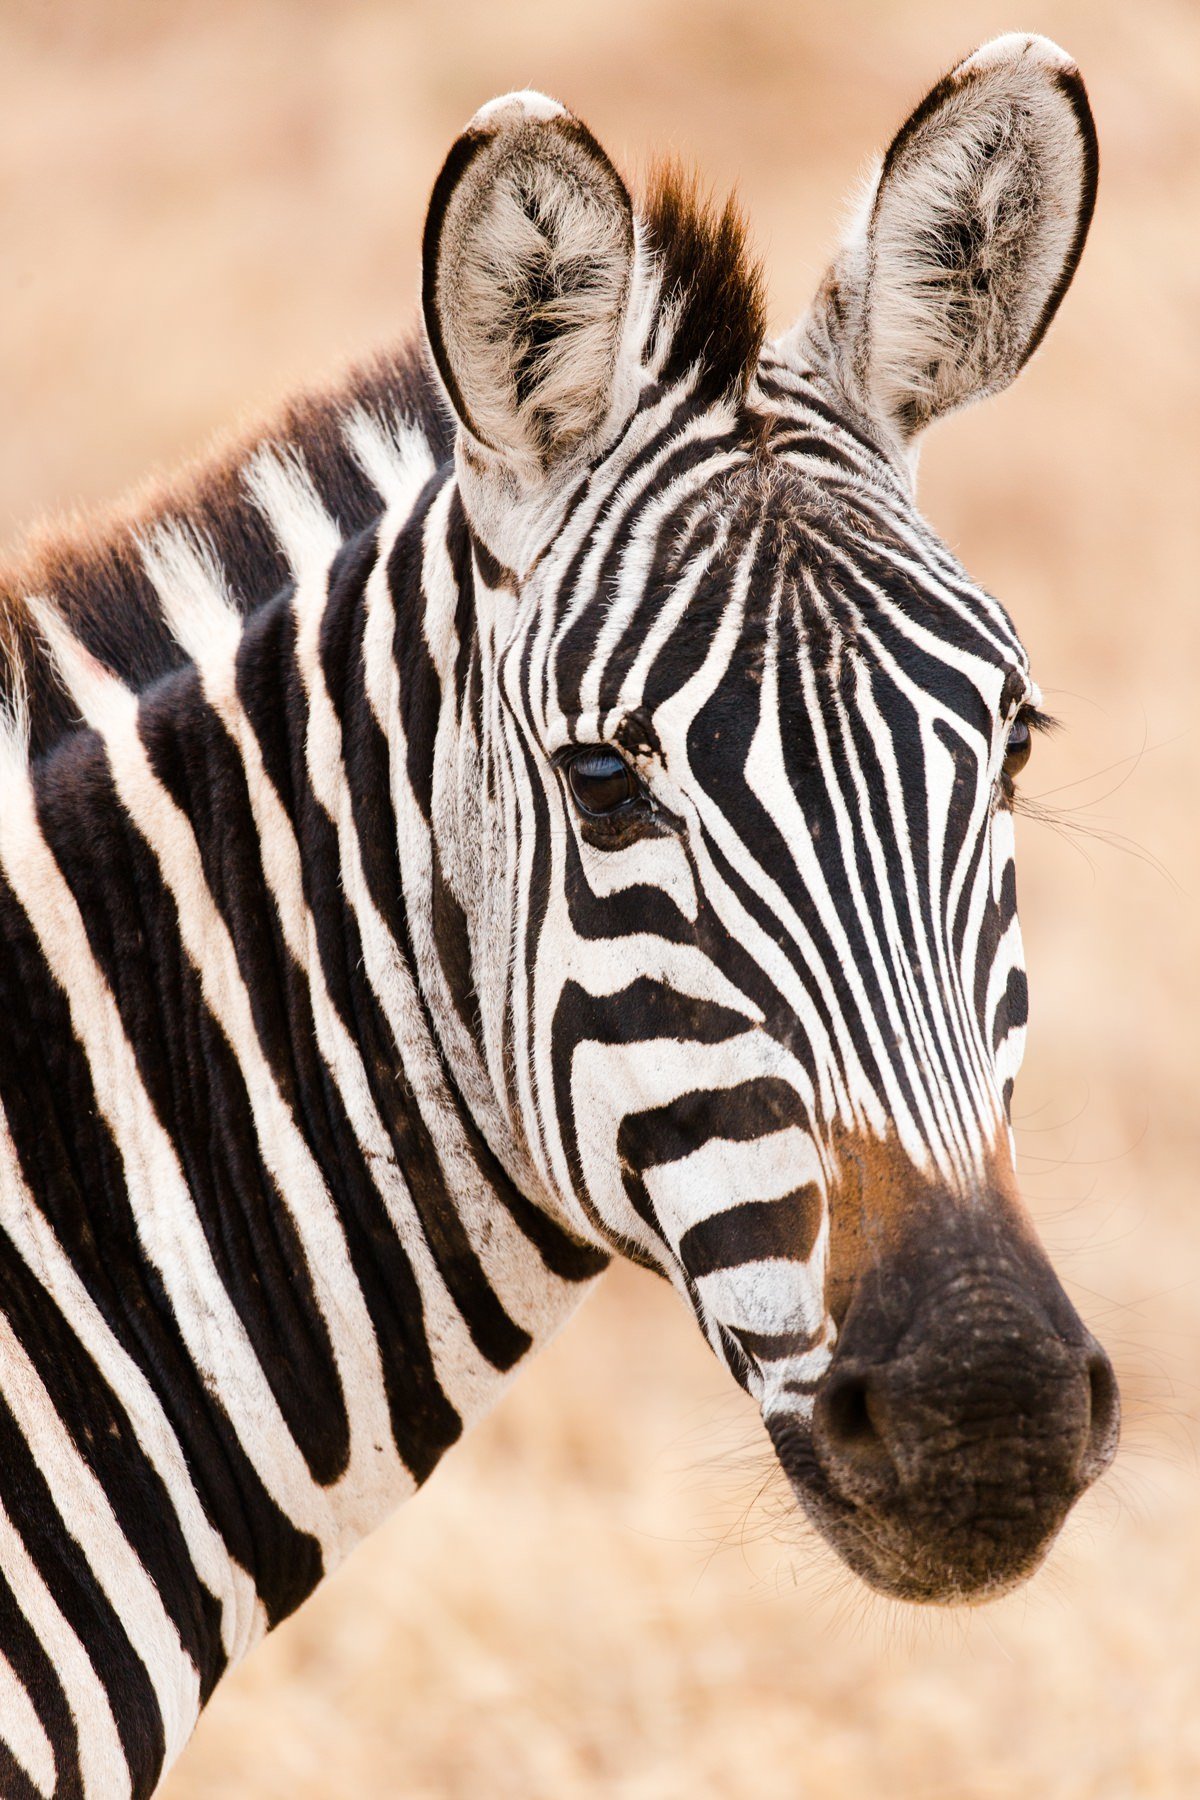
<point x="524" y="106"/>
<point x="1014" y="47"/>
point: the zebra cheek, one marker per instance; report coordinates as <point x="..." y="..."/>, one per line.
<point x="758" y="1270"/>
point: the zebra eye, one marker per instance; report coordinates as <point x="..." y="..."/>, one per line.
<point x="601" y="781"/>
<point x="1020" y="743"/>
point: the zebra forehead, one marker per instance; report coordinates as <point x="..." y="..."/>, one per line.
<point x="796" y="571"/>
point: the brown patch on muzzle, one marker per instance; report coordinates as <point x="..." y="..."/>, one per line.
<point x="966" y="1406"/>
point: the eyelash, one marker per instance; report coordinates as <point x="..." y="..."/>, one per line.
<point x="1034" y="721"/>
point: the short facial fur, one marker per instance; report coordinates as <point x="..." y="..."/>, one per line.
<point x="764" y="1016"/>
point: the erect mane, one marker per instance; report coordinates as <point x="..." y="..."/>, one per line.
<point x="91" y="566"/>
<point x="710" y="280"/>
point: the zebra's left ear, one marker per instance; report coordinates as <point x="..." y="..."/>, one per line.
<point x="528" y="261"/>
<point x="966" y="243"/>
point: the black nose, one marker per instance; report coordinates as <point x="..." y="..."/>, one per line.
<point x="1013" y="1405"/>
<point x="965" y="1407"/>
<point x="954" y="1429"/>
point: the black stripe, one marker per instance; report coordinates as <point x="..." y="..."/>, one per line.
<point x="33" y="1668"/>
<point x="191" y="1074"/>
<point x="79" y="1597"/>
<point x="664" y="1134"/>
<point x="755" y="1231"/>
<point x="775" y="1346"/>
<point x="424" y="1423"/>
<point x="573" y="651"/>
<point x="107" y="1443"/>
<point x="73" y="1167"/>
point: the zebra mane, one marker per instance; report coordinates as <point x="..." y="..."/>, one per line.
<point x="712" y="286"/>
<point x="93" y="566"/>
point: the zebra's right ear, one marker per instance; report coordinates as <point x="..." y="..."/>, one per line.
<point x="528" y="263"/>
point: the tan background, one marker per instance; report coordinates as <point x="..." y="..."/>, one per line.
<point x="201" y="204"/>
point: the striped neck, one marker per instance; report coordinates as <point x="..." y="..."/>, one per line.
<point x="281" y="1253"/>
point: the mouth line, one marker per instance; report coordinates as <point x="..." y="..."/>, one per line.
<point x="821" y="1502"/>
<point x="859" y="1536"/>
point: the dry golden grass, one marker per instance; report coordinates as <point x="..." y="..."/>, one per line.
<point x="203" y="204"/>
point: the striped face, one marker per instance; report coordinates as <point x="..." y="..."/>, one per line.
<point x="743" y="747"/>
<point x="756" y="729"/>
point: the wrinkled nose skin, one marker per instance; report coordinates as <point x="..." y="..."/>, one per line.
<point x="965" y="1409"/>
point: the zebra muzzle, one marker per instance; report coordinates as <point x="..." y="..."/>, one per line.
<point x="964" y="1411"/>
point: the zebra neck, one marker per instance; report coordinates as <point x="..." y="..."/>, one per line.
<point x="250" y="1220"/>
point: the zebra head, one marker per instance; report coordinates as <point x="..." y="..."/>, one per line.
<point x="726" y="790"/>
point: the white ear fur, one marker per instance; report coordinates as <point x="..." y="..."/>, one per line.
<point x="966" y="242"/>
<point x="528" y="261"/>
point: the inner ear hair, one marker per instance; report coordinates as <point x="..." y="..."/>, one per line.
<point x="971" y="237"/>
<point x="528" y="258"/>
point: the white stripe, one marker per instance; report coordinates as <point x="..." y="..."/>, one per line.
<point x="22" y="1732"/>
<point x="374" y="1478"/>
<point x="769" y="1296"/>
<point x="34" y="1240"/>
<point x="102" y="1765"/>
<point x="282" y="488"/>
<point x="503" y="1252"/>
<point x="393" y="454"/>
<point x="191" y="588"/>
<point x="169" y="1229"/>
<point x="467" y="1378"/>
<point x="91" y="1522"/>
<point x="722" y="1170"/>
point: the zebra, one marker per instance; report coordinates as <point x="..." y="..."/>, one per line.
<point x="546" y="799"/>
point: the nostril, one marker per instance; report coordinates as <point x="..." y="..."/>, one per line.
<point x="850" y="1420"/>
<point x="853" y="1431"/>
<point x="1105" y="1424"/>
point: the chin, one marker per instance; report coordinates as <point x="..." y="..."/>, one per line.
<point x="950" y="1546"/>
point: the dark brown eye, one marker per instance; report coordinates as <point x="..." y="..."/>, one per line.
<point x="601" y="781"/>
<point x="1020" y="743"/>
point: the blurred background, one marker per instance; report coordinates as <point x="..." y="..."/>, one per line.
<point x="602" y="1593"/>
